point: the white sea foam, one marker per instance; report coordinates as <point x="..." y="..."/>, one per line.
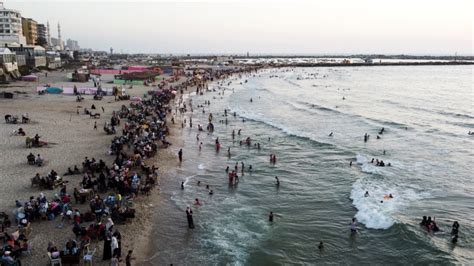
<point x="366" y="166"/>
<point x="188" y="178"/>
<point x="376" y="212"/>
<point x="201" y="166"/>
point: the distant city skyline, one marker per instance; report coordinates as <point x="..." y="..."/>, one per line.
<point x="261" y="27"/>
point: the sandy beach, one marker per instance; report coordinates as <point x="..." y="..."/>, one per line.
<point x="71" y="138"/>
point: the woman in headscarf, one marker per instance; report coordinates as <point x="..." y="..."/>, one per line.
<point x="107" y="254"/>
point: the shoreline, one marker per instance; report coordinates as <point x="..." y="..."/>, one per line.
<point x="54" y="118"/>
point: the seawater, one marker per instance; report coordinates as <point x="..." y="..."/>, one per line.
<point x="426" y="112"/>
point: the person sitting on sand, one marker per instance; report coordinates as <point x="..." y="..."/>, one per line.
<point x="31" y="159"/>
<point x="76" y="170"/>
<point x="69" y="171"/>
<point x="39" y="160"/>
<point x="21" y="132"/>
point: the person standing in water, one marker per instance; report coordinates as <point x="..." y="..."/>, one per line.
<point x="182" y="185"/>
<point x="277" y="181"/>
<point x="353" y="226"/>
<point x="270" y="217"/>
<point x="189" y="216"/>
<point x="180" y="155"/>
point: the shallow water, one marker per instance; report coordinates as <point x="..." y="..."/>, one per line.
<point x="426" y="111"/>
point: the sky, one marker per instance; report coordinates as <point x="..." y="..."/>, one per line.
<point x="420" y="27"/>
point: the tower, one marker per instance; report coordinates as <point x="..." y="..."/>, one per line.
<point x="111" y="51"/>
<point x="48" y="35"/>
<point x="61" y="45"/>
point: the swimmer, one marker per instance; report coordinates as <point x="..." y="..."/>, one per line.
<point x="196" y="202"/>
<point x="250" y="168"/>
<point x="227" y="169"/>
<point x="211" y="192"/>
<point x="277" y="181"/>
<point x="330" y="134"/>
<point x="182" y="185"/>
<point x="366" y="194"/>
<point x="320" y="246"/>
<point x="199" y="183"/>
<point x="350" y="163"/>
<point x="270" y="217"/>
<point x="353" y="225"/>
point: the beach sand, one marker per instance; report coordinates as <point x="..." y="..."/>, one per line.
<point x="71" y="137"/>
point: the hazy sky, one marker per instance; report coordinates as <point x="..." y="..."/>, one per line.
<point x="316" y="27"/>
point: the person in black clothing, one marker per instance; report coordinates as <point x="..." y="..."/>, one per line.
<point x="189" y="216"/>
<point x="270" y="217"/>
<point x="128" y="259"/>
<point x="424" y="222"/>
<point x="180" y="155"/>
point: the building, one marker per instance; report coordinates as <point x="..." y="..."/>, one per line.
<point x="42" y="35"/>
<point x="30" y="30"/>
<point x="10" y="27"/>
<point x="53" y="60"/>
<point x="56" y="44"/>
<point x="72" y="45"/>
<point x="35" y="56"/>
<point x="7" y="60"/>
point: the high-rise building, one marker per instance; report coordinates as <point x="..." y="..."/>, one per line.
<point x="10" y="26"/>
<point x="72" y="45"/>
<point x="41" y="34"/>
<point x="30" y="30"/>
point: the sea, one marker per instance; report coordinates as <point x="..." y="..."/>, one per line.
<point x="426" y="113"/>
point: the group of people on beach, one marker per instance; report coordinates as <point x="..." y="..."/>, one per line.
<point x="129" y="175"/>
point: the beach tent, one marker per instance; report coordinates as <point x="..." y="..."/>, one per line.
<point x="54" y="90"/>
<point x="29" y="78"/>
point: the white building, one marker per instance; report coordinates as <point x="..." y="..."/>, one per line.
<point x="10" y="26"/>
<point x="72" y="45"/>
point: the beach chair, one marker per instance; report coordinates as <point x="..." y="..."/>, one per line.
<point x="89" y="257"/>
<point x="54" y="262"/>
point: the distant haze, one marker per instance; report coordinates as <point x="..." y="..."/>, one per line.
<point x="436" y="27"/>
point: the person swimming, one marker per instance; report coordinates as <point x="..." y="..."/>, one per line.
<point x="182" y="185"/>
<point x="277" y="181"/>
<point x="197" y="202"/>
<point x="270" y="217"/>
<point x="424" y="221"/>
<point x="320" y="246"/>
<point x="366" y="194"/>
<point x="330" y="134"/>
<point x="353" y="225"/>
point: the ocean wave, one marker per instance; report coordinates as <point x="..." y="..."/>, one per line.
<point x="286" y="130"/>
<point x="457" y="115"/>
<point x="374" y="211"/>
<point x="368" y="167"/>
